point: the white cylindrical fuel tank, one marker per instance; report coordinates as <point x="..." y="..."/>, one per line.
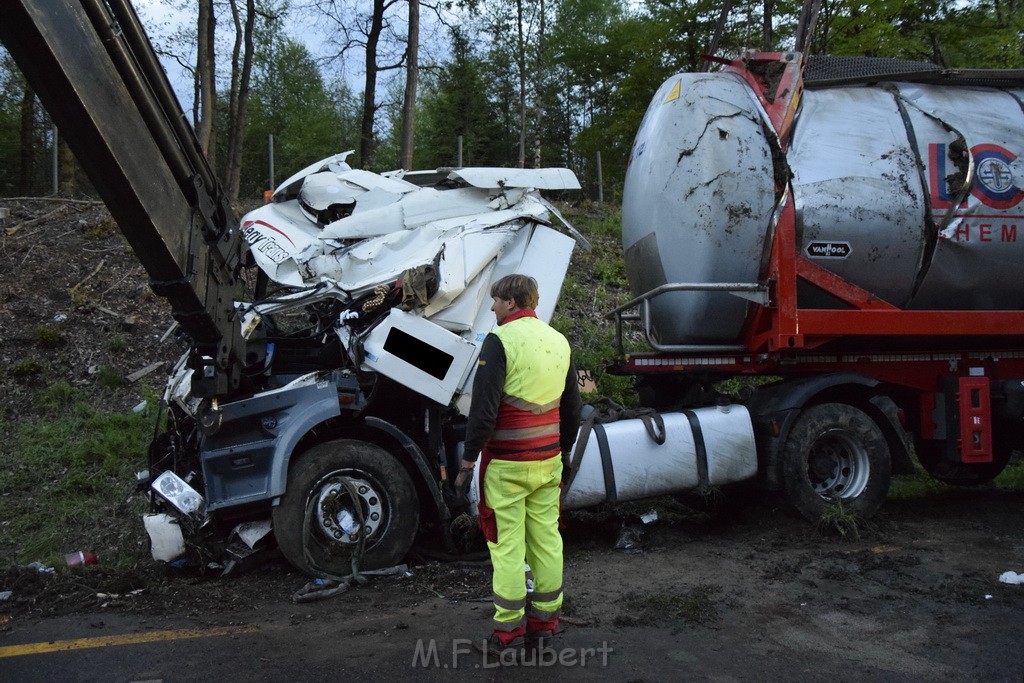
<point x="621" y="461"/>
<point x="877" y="172"/>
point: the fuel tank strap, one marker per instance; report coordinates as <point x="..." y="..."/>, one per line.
<point x="606" y="464"/>
<point x="700" y="448"/>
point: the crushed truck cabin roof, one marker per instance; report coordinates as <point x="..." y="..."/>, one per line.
<point x="356" y="229"/>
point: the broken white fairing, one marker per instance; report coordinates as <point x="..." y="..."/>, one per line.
<point x="431" y="249"/>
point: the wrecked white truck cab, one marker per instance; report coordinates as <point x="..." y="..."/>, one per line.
<point x="363" y="335"/>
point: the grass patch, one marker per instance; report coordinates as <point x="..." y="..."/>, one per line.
<point x="916" y="486"/>
<point x="922" y="485"/>
<point x="1012" y="478"/>
<point x="838" y="520"/>
<point x="26" y="367"/>
<point x="595" y="284"/>
<point x="694" y="606"/>
<point x="67" y="476"/>
<point x="104" y="228"/>
<point x="597" y="220"/>
<point x="46" y="335"/>
<point x="109" y="377"/>
<point x="118" y="344"/>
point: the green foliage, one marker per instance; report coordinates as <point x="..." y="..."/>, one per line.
<point x="456" y="102"/>
<point x="67" y="474"/>
<point x="47" y="335"/>
<point x="55" y="398"/>
<point x="836" y="519"/>
<point x="79" y="299"/>
<point x="1012" y="478"/>
<point x="916" y="486"/>
<point x="117" y="344"/>
<point x="11" y="85"/>
<point x="24" y="367"/>
<point x="974" y="35"/>
<point x="109" y="377"/>
<point x="290" y="100"/>
<point x="594" y="285"/>
<point x="103" y="229"/>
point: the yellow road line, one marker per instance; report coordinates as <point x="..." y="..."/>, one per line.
<point x="126" y="639"/>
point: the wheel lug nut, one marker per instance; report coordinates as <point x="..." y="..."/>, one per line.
<point x="374" y="517"/>
<point x="363" y="489"/>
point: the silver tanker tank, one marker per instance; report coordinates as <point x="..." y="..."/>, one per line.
<point x="878" y="183"/>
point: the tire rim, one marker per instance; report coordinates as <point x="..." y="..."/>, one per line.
<point x="838" y="465"/>
<point x="336" y="512"/>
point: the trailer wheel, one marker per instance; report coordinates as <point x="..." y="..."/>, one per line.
<point x="334" y="486"/>
<point x="835" y="454"/>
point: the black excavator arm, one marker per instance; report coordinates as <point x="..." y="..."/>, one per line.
<point x="93" y="68"/>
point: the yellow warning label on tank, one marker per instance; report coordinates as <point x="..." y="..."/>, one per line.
<point x="673" y="94"/>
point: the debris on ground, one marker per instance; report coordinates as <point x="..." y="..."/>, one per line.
<point x="1012" y="578"/>
<point x="628" y="540"/>
<point x="322" y="589"/>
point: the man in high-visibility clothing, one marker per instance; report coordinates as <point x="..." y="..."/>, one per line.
<point x="524" y="416"/>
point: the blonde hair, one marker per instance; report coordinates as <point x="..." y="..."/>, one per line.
<point x="520" y="288"/>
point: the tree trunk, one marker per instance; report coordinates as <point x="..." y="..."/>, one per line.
<point x="521" y="61"/>
<point x="239" y="98"/>
<point x="719" y="30"/>
<point x="538" y="103"/>
<point x="68" y="184"/>
<point x="205" y="74"/>
<point x="366" y="141"/>
<point x="768" y="41"/>
<point x="805" y="28"/>
<point x="411" y="78"/>
<point x="28" y="141"/>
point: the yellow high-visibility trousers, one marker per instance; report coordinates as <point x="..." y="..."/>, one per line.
<point x="524" y="496"/>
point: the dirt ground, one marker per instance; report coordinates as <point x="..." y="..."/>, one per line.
<point x="751" y="593"/>
<point x="75" y="305"/>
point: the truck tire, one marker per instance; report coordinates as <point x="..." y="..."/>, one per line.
<point x="835" y="454"/>
<point x="325" y="478"/>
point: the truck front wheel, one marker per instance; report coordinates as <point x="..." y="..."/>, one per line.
<point x="836" y="454"/>
<point x="340" y="494"/>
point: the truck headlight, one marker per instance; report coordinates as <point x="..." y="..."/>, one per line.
<point x="179" y="494"/>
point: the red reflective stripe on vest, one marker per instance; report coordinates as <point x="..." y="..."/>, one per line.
<point x="532" y="447"/>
